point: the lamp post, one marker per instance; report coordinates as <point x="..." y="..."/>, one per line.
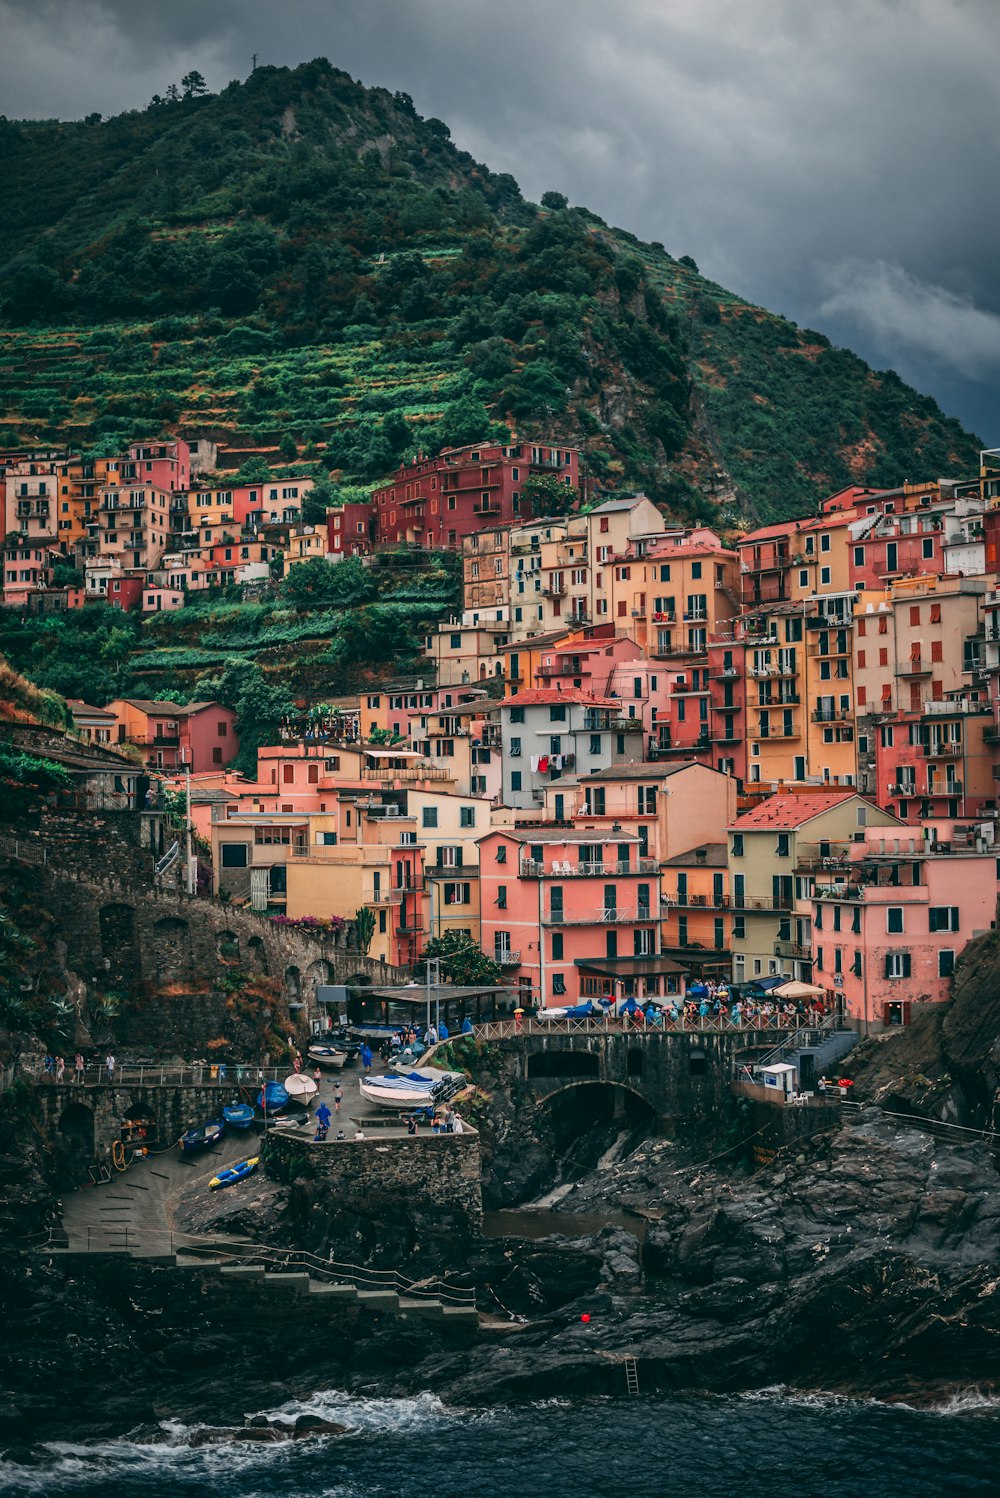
<point x="435" y="963"/>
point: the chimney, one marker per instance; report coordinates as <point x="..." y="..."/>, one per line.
<point x="700" y="855"/>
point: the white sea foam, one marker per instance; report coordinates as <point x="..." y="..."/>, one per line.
<point x="93" y="1467"/>
<point x="968" y="1401"/>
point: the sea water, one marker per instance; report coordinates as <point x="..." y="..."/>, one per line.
<point x="768" y="1443"/>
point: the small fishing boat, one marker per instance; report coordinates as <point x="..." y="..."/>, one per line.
<point x="201" y="1137"/>
<point x="238" y="1115"/>
<point x="272" y="1097"/>
<point x="300" y="1088"/>
<point x="332" y="1056"/>
<point x="234" y="1173"/>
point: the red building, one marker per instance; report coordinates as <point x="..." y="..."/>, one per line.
<point x="349" y="531"/>
<point x="438" y="501"/>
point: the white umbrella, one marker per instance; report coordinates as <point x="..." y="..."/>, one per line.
<point x="793" y="989"/>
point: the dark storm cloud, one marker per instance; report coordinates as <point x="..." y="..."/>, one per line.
<point x="832" y="159"/>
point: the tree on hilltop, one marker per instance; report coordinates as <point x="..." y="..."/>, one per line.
<point x="193" y="84"/>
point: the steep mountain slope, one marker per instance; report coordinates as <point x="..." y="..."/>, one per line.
<point x="301" y="254"/>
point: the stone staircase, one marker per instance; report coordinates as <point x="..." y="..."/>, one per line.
<point x="300" y="1273"/>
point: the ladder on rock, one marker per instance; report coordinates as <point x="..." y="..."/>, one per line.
<point x="631" y="1375"/>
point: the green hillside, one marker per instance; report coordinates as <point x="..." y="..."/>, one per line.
<point x="301" y="255"/>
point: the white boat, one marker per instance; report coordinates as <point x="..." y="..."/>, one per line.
<point x="400" y="1092"/>
<point x="300" y="1088"/>
<point x="331" y="1055"/>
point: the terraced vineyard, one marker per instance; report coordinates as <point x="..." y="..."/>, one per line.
<point x="303" y="257"/>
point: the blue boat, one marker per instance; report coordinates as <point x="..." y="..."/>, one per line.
<point x="238" y="1115"/>
<point x="201" y="1137"/>
<point x="234" y="1173"/>
<point x="273" y="1097"/>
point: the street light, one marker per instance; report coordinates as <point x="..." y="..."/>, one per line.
<point x="435" y="963"/>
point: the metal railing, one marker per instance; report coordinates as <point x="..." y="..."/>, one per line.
<point x="619" y="1024"/>
<point x="225" y="1075"/>
<point x="24" y="852"/>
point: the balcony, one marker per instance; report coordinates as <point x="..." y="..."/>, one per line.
<point x="784" y="669"/>
<point x="991" y="735"/>
<point x="532" y="869"/>
<point x="554" y="590"/>
<point x="505" y="957"/>
<point x="916" y="667"/>
<point x="945" y="788"/>
<point x="451" y="871"/>
<point x="830" y="715"/>
<point x="694" y="902"/>
<point x="944" y="750"/>
<point x="599" y="917"/>
<point x="572" y="667"/>
<point x="794" y="950"/>
<point x="762" y="902"/>
<point x="406" y="772"/>
<point x="156" y="740"/>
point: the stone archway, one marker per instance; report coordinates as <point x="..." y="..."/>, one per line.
<point x="76" y="1125"/>
<point x="316" y="973"/>
<point x="227" y="948"/>
<point x="170" y="950"/>
<point x="119" y="946"/>
<point x="257" y="955"/>
<point x="588" y="1107"/>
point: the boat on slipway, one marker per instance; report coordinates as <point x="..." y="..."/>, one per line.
<point x="301" y="1089"/>
<point x="272" y="1097"/>
<point x="410" y="1089"/>
<point x="238" y="1115"/>
<point x="202" y="1137"/>
<point x="233" y="1174"/>
<point x="332" y="1057"/>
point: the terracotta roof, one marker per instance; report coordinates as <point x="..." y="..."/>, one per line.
<point x="772" y="532"/>
<point x="537" y="696"/>
<point x="716" y="857"/>
<point x="791" y="811"/>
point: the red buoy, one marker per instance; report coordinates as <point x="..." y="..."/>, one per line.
<point x="585" y="1318"/>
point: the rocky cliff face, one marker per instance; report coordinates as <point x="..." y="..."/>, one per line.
<point x="947" y="1063"/>
<point x="864" y="1263"/>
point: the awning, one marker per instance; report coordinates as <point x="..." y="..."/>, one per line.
<point x="396" y="753"/>
<point x="417" y="993"/>
<point x="630" y="967"/>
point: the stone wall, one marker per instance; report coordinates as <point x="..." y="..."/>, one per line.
<point x="432" y="1183"/>
<point x="89" y="1119"/>
<point x="126" y="936"/>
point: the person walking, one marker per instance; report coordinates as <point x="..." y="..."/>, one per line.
<point x="338" y="1097"/>
<point x="109" y="1063"/>
<point x="78" y="1068"/>
<point x="60" y="1068"/>
<point x="366" y="1057"/>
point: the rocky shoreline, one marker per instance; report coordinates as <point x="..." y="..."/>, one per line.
<point x="862" y="1263"/>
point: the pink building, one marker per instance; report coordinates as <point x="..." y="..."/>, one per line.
<point x="574" y="914"/>
<point x="201" y="735"/>
<point x="438" y="501"/>
<point x="889" y="924"/>
<point x="935" y="762"/>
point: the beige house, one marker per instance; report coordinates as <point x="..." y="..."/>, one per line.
<point x="774" y="852"/>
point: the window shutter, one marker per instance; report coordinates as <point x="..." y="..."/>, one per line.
<point x="906" y="964"/>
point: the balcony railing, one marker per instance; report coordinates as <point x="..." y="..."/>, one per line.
<point x="506" y="957"/>
<point x="794" y="950"/>
<point x="694" y="902"/>
<point x="945" y="788"/>
<point x="762" y="902"/>
<point x="406" y="772"/>
<point x="830" y="715"/>
<point x="944" y="750"/>
<point x="606" y="917"/>
<point x="533" y="869"/>
<point x="916" y="667"/>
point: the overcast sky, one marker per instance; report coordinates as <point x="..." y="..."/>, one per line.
<point x="834" y="160"/>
